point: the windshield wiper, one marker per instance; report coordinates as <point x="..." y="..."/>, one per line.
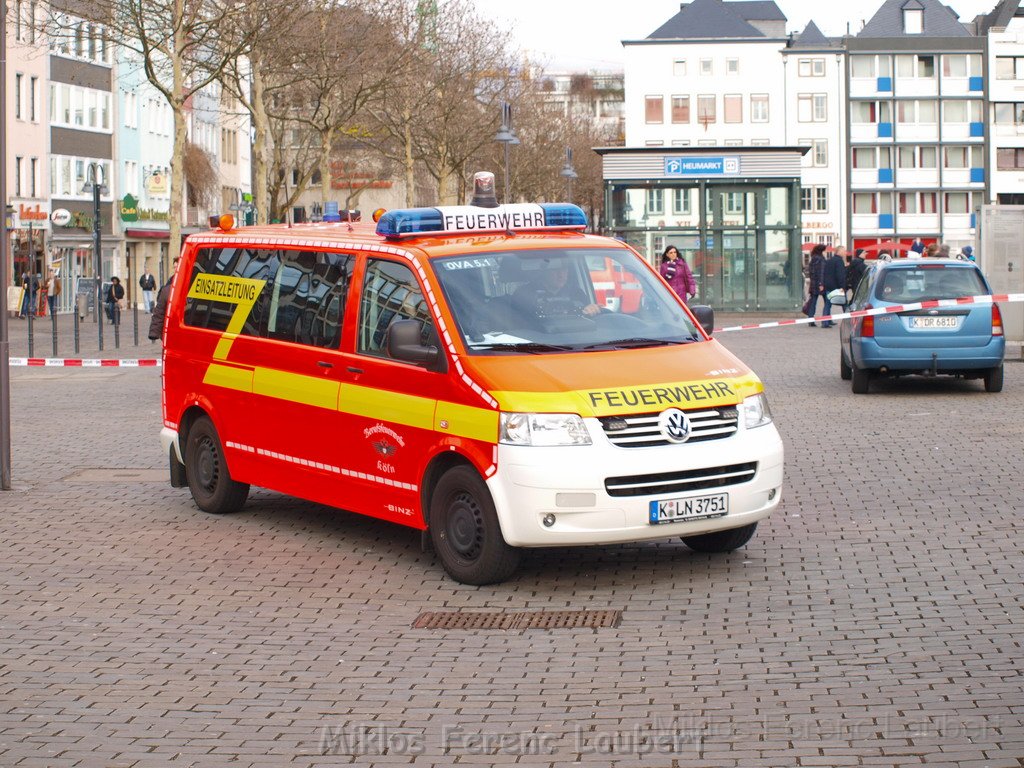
<point x="637" y="342"/>
<point x="532" y="347"/>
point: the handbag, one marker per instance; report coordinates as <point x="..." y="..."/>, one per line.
<point x="837" y="297"/>
<point x="807" y="305"/>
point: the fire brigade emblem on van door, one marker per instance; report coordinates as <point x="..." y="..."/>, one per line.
<point x="674" y="425"/>
<point x="384" y="448"/>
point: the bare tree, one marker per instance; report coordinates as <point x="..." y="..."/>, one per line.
<point x="442" y="107"/>
<point x="270" y="35"/>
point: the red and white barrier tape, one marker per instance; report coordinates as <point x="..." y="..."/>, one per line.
<point x="930" y="304"/>
<point x="63" y="362"/>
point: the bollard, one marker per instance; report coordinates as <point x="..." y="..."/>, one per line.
<point x="53" y="320"/>
<point x="31" y="315"/>
<point x="116" y="312"/>
<point x="77" y="341"/>
<point x="135" y="319"/>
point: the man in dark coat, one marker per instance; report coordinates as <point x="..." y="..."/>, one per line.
<point x="833" y="276"/>
<point x="854" y="273"/>
<point x="156" y="323"/>
<point x="816" y="280"/>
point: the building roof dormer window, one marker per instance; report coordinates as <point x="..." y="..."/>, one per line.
<point x="913" y="18"/>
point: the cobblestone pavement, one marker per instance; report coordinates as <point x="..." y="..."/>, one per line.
<point x="874" y="620"/>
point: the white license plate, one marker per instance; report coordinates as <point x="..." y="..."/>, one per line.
<point x="695" y="508"/>
<point x="933" y="322"/>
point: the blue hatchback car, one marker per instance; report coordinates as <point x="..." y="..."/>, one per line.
<point x="965" y="340"/>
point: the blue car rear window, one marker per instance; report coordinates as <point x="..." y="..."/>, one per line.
<point x="905" y="285"/>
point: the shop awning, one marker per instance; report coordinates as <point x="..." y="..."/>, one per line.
<point x="147" y="234"/>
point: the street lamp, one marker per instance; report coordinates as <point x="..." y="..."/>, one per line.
<point x="507" y="137"/>
<point x="94" y="183"/>
<point x="568" y="173"/>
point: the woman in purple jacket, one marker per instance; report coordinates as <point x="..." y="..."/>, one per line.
<point x="677" y="273"/>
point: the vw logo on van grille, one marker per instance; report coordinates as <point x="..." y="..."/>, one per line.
<point x="675" y="425"/>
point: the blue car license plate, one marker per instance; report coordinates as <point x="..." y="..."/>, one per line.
<point x="693" y="508"/>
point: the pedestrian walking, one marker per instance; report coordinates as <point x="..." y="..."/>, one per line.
<point x="52" y="290"/>
<point x="156" y="324"/>
<point x="113" y="299"/>
<point x="677" y="273"/>
<point x="967" y="252"/>
<point x="816" y="279"/>
<point x="931" y="252"/>
<point x="917" y="247"/>
<point x="854" y="273"/>
<point x="148" y="285"/>
<point x="833" y="277"/>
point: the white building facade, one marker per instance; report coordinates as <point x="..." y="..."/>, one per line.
<point x="916" y="115"/>
<point x="1005" y="63"/>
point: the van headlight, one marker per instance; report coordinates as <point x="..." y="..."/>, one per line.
<point x="543" y="429"/>
<point x="756" y="412"/>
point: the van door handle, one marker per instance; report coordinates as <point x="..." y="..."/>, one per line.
<point x="353" y="369"/>
<point x="324" y="364"/>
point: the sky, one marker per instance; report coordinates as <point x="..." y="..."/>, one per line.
<point x="587" y="34"/>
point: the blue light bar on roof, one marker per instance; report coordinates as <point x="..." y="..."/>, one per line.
<point x="409" y="222"/>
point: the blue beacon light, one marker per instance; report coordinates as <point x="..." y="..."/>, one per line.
<point x="482" y="215"/>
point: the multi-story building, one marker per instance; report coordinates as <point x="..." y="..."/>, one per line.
<point x="144" y="145"/>
<point x="597" y="96"/>
<point x="235" y="155"/>
<point x="814" y="114"/>
<point x="722" y="110"/>
<point x="916" y="121"/>
<point x="81" y="148"/>
<point x="1004" y="29"/>
<point x="26" y="127"/>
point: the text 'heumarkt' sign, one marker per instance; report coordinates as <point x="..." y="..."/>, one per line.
<point x="702" y="166"/>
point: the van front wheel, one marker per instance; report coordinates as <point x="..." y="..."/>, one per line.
<point x="207" y="471"/>
<point x="465" y="531"/>
<point x="721" y="541"/>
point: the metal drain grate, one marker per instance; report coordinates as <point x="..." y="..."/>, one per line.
<point x="521" y="620"/>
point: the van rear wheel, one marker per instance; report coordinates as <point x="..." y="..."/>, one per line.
<point x="721" y="541"/>
<point x="207" y="471"/>
<point x="465" y="531"/>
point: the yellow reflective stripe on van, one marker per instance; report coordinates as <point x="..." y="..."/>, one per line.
<point x="466" y="421"/>
<point x="387" y="406"/>
<point x="609" y="401"/>
<point x="391" y="407"/>
<point x="295" y="388"/>
<point x="229" y="377"/>
<point x="240" y="291"/>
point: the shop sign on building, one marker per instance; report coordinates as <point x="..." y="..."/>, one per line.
<point x="129" y="208"/>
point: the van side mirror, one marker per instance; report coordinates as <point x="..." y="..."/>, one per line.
<point x="705" y="316"/>
<point x="403" y="343"/>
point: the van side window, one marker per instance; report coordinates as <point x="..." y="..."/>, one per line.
<point x="390" y="292"/>
<point x="303" y="300"/>
<point x="260" y="264"/>
<point x="306" y="303"/>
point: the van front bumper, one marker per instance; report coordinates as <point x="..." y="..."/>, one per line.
<point x="569" y="483"/>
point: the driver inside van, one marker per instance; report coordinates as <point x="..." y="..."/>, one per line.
<point x="550" y="294"/>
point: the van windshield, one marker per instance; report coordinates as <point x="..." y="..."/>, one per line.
<point x="904" y="285"/>
<point x="559" y="300"/>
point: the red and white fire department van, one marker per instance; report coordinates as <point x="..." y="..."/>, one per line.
<point x="456" y="370"/>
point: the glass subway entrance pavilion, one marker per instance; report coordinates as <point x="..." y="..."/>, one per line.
<point x="733" y="213"/>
